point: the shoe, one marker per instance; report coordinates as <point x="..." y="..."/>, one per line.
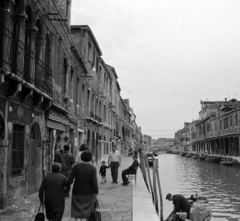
<point x="124" y="184"/>
<point x="116" y="182"/>
<point x="113" y="182"/>
<point x="105" y="181"/>
<point x="128" y="181"/>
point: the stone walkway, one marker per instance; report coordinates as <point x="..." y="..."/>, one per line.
<point x="117" y="202"/>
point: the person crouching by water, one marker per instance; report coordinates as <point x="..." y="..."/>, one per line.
<point x="51" y="193"/>
<point x="180" y="204"/>
<point x="85" y="187"/>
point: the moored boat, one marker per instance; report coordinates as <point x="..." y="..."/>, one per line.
<point x="202" y="157"/>
<point x="150" y="157"/>
<point x="195" y="156"/>
<point x="212" y="159"/>
<point x="227" y="161"/>
<point x="183" y="154"/>
<point x="175" y="152"/>
<point x="150" y="161"/>
<point x="189" y="155"/>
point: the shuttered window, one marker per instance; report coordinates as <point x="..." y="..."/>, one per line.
<point x="17" y="150"/>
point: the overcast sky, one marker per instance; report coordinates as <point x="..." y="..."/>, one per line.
<point x="168" y="54"/>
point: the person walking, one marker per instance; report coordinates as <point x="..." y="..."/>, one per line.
<point x="114" y="161"/>
<point x="180" y="204"/>
<point x="102" y="171"/>
<point x="130" y="170"/>
<point x="81" y="149"/>
<point x="67" y="160"/>
<point x="85" y="187"/>
<point x="51" y="193"/>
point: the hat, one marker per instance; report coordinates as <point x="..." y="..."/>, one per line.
<point x="168" y="196"/>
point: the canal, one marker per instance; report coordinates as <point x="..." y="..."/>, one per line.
<point x="187" y="176"/>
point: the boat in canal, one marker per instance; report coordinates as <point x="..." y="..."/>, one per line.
<point x="226" y="161"/>
<point x="183" y="154"/>
<point x="150" y="157"/>
<point x="195" y="156"/>
<point x="213" y="159"/>
<point x="202" y="157"/>
<point x="189" y="155"/>
<point x="175" y="152"/>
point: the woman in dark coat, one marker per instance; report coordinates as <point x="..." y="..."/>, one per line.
<point x="85" y="187"/>
<point x="51" y="192"/>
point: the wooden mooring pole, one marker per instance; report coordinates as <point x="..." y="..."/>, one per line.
<point x="160" y="192"/>
<point x="149" y="178"/>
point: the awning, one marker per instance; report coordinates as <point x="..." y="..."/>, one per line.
<point x="56" y="125"/>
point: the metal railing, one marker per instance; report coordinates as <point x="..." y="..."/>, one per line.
<point x="18" y="59"/>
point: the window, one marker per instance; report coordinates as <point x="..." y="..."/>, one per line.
<point x="88" y="101"/>
<point x="71" y="84"/>
<point x="83" y="97"/>
<point x="99" y="114"/>
<point x="236" y="119"/>
<point x="78" y="91"/>
<point x="231" y="121"/>
<point x="17" y="150"/>
<point x="89" y="51"/>
<point x="96" y="110"/>
<point x="220" y="124"/>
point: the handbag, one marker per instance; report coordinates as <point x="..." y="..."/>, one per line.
<point x="40" y="215"/>
<point x="96" y="214"/>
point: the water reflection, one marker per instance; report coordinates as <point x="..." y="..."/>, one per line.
<point x="219" y="183"/>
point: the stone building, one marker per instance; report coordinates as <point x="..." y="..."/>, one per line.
<point x="29" y="43"/>
<point x="218" y="133"/>
<point x="55" y="89"/>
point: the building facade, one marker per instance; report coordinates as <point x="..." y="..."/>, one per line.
<point x="55" y="89"/>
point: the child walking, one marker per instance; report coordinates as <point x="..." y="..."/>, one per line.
<point x="103" y="171"/>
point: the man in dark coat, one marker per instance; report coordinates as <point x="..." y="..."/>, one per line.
<point x="67" y="161"/>
<point x="180" y="204"/>
<point x="130" y="170"/>
<point x="51" y="193"/>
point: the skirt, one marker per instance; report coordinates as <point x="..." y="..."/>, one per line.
<point x="82" y="206"/>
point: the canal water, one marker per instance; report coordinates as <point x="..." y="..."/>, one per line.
<point x="187" y="176"/>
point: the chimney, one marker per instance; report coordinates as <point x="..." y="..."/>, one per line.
<point x="225" y="99"/>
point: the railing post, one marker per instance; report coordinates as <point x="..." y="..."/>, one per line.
<point x="155" y="186"/>
<point x="160" y="192"/>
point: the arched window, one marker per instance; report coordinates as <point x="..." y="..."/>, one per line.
<point x="48" y="70"/>
<point x="63" y="77"/>
<point x="39" y="78"/>
<point x="28" y="53"/>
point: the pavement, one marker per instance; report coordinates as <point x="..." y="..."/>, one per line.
<point x="117" y="202"/>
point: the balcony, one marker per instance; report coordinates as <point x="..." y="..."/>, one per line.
<point x="21" y="62"/>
